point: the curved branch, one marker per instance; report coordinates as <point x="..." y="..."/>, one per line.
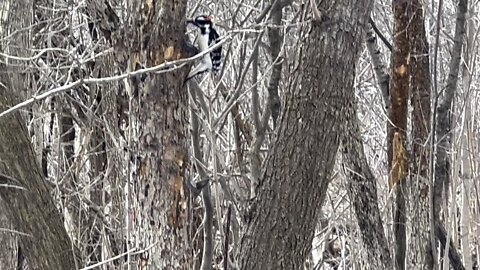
<point x="379" y="33"/>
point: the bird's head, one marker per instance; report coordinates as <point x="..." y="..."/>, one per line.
<point x="202" y="21"/>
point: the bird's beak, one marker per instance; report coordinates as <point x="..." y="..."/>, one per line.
<point x="192" y="22"/>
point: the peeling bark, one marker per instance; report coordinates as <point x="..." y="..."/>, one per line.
<point x="398" y="118"/>
<point x="160" y="207"/>
<point x="158" y="122"/>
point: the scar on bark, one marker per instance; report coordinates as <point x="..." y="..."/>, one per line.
<point x="399" y="161"/>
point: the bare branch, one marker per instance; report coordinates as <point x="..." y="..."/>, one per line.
<point x="379" y="33"/>
<point x="162" y="68"/>
<point x="207" y="255"/>
<point x="317" y="16"/>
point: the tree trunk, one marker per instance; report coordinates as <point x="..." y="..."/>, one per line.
<point x="8" y="241"/>
<point x="420" y="245"/>
<point x="397" y="157"/>
<point x="31" y="209"/>
<point x="444" y="122"/>
<point x="465" y="156"/>
<point x="29" y="205"/>
<point x="297" y="169"/>
<point x="160" y="210"/>
<point x="363" y="194"/>
<point x="443" y="134"/>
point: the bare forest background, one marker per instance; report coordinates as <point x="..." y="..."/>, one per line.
<point x="339" y="134"/>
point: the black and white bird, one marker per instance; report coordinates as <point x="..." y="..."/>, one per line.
<point x="207" y="37"/>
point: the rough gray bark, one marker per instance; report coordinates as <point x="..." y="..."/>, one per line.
<point x="8" y="240"/>
<point x="276" y="39"/>
<point x="32" y="209"/>
<point x="420" y="251"/>
<point x="363" y="194"/>
<point x="284" y="212"/>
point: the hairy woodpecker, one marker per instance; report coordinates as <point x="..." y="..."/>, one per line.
<point x="207" y="37"/>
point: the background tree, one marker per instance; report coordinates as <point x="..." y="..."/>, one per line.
<point x="300" y="162"/>
<point x="24" y="192"/>
<point x="421" y="253"/>
<point x="96" y="96"/>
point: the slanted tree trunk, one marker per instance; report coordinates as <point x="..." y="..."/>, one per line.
<point x="276" y="38"/>
<point x="383" y="78"/>
<point x="298" y="166"/>
<point x="29" y="205"/>
<point x="363" y="194"/>
<point x="31" y="209"/>
<point x="443" y="130"/>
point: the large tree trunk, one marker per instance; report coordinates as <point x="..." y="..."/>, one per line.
<point x="298" y="167"/>
<point x="420" y="251"/>
<point x="31" y="209"/>
<point x="159" y="209"/>
<point x="159" y="141"/>
<point x="29" y="205"/>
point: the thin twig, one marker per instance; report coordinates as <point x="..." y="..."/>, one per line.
<point x="15" y="232"/>
<point x="317" y="16"/>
